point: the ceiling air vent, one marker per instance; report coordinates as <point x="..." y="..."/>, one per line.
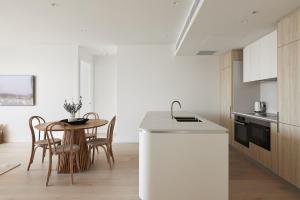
<point x="206" y="53"/>
<point x="196" y="5"/>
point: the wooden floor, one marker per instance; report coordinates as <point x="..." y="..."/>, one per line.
<point x="99" y="182"/>
<point x="248" y="181"/>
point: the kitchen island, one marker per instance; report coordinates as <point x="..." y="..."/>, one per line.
<point x="182" y="160"/>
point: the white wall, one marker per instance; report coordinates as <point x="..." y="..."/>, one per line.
<point x="56" y="71"/>
<point x="138" y="79"/>
<point x="268" y="93"/>
<point x="105" y="87"/>
<point x="150" y="77"/>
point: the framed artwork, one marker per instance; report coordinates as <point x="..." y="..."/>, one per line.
<point x="17" y="90"/>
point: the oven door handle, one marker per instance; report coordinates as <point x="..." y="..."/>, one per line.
<point x="240" y="123"/>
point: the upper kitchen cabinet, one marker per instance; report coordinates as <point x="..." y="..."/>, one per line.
<point x="260" y="59"/>
<point x="289" y="29"/>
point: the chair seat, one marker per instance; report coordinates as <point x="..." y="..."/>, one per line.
<point x="90" y="135"/>
<point x="66" y="148"/>
<point x="98" y="142"/>
<point x="45" y="142"/>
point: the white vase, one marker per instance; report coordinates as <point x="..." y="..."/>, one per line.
<point x="72" y="117"/>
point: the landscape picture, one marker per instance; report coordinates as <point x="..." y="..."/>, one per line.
<point x="16" y="90"/>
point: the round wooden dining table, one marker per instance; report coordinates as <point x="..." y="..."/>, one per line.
<point x="78" y="138"/>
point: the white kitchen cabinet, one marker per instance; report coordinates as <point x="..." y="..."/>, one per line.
<point x="260" y="59"/>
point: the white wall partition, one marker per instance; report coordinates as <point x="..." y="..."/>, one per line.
<point x="56" y="71"/>
<point x="105" y="87"/>
<point x="150" y="77"/>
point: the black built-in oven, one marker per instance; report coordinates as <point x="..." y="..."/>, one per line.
<point x="248" y="130"/>
<point x="260" y="134"/>
<point x="241" y="132"/>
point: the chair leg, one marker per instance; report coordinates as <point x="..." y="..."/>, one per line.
<point x="33" y="149"/>
<point x="96" y="146"/>
<point x="58" y="162"/>
<point x="107" y="156"/>
<point x="111" y="153"/>
<point x="44" y="153"/>
<point x="31" y="157"/>
<point x="77" y="161"/>
<point x="93" y="157"/>
<point x="90" y="152"/>
<point x="71" y="166"/>
<point x="49" y="168"/>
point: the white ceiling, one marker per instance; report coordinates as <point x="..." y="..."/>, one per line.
<point x="229" y="24"/>
<point x="92" y="22"/>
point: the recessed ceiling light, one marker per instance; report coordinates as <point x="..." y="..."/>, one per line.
<point x="244" y="21"/>
<point x="176" y="3"/>
<point x="53" y="4"/>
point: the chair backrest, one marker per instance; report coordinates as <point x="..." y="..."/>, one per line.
<point x="91" y="115"/>
<point x="67" y="131"/>
<point x="33" y="121"/>
<point x="110" y="129"/>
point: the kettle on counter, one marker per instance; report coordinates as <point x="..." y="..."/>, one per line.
<point x="260" y="107"/>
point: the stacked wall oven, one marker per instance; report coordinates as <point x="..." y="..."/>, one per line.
<point x="248" y="130"/>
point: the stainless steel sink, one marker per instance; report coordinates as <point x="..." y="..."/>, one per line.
<point x="187" y="119"/>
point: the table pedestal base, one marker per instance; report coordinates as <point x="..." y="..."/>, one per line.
<point x="84" y="157"/>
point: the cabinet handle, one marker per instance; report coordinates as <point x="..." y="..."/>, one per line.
<point x="277" y="121"/>
<point x="240" y="123"/>
<point x="230" y="112"/>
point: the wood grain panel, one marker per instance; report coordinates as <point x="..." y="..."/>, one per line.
<point x="289" y="153"/>
<point x="226" y="62"/>
<point x="289" y="83"/>
<point x="289" y="29"/>
<point x="237" y="55"/>
<point x="274" y="147"/>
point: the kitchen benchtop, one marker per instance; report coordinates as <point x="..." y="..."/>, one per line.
<point x="269" y="117"/>
<point x="161" y="122"/>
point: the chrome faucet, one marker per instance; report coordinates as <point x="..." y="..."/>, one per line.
<point x="172" y="104"/>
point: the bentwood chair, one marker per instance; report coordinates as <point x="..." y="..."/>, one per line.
<point x="39" y="141"/>
<point x="91" y="133"/>
<point x="105" y="143"/>
<point x="68" y="147"/>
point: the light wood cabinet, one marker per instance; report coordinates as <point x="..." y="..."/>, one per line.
<point x="226" y="63"/>
<point x="289" y="29"/>
<point x="289" y="83"/>
<point x="260" y="59"/>
<point x="289" y="98"/>
<point x="269" y="159"/>
<point x="289" y="153"/>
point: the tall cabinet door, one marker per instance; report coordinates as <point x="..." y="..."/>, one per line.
<point x="225" y="98"/>
<point x="289" y="153"/>
<point x="228" y="100"/>
<point x="289" y="84"/>
<point x="289" y="98"/>
<point x="222" y="95"/>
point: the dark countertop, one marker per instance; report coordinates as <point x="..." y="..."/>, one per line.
<point x="269" y="117"/>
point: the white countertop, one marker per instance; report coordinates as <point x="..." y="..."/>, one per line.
<point x="269" y="117"/>
<point x="161" y="122"/>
